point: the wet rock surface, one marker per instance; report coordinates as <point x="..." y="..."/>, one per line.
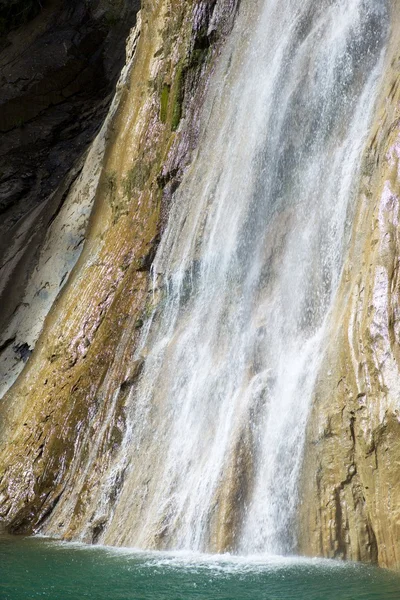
<point x="350" y="485"/>
<point x="64" y="418"/>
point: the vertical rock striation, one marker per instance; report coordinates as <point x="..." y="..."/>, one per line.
<point x="82" y="221"/>
<point x="351" y="472"/>
<point x="59" y="69"/>
<point x="63" y="419"/>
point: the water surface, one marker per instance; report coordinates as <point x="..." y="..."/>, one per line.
<point x="38" y="568"/>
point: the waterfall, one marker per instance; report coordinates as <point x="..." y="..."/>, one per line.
<point x="246" y="273"/>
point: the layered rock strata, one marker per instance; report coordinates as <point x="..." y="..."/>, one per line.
<point x="81" y="226"/>
<point x="350" y="489"/>
<point x="63" y="419"/>
<point x="58" y="70"/>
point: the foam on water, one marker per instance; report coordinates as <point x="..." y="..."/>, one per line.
<point x="226" y="563"/>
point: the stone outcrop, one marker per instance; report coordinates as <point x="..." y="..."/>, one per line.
<point x="64" y="417"/>
<point x="351" y="475"/>
<point x="58" y="69"/>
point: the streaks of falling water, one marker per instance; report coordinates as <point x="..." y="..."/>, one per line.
<point x="249" y="265"/>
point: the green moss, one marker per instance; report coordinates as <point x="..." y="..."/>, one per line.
<point x="197" y="58"/>
<point x="110" y="180"/>
<point x="164" y="103"/>
<point x="172" y="99"/>
<point x="178" y="99"/>
<point x="136" y="178"/>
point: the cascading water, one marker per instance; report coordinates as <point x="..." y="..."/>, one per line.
<point x="248" y="267"/>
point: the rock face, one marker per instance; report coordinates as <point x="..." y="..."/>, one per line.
<point x="351" y="473"/>
<point x="86" y="181"/>
<point x="64" y="417"/>
<point x="59" y="71"/>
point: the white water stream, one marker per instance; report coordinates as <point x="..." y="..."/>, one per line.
<point x="248" y="266"/>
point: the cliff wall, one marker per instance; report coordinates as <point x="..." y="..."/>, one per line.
<point x="89" y="170"/>
<point x="350" y="495"/>
<point x="64" y="417"/>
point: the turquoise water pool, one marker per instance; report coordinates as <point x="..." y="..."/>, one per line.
<point x="38" y="568"/>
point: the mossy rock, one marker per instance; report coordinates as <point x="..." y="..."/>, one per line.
<point x="171" y="100"/>
<point x="178" y="99"/>
<point x="136" y="178"/>
<point x="164" y="101"/>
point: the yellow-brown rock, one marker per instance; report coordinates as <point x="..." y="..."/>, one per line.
<point x="63" y="420"/>
<point x="64" y="417"/>
<point x="351" y="474"/>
